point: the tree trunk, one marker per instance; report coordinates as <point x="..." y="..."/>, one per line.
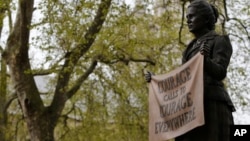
<point x="38" y="119"/>
<point x="4" y="6"/>
<point x="41" y="120"/>
<point x="41" y="126"/>
<point x="3" y="93"/>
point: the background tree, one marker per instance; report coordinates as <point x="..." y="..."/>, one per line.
<point x="4" y="101"/>
<point x="41" y="120"/>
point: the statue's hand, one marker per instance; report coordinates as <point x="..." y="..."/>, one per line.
<point x="148" y="76"/>
<point x="205" y="49"/>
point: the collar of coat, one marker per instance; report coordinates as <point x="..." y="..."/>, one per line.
<point x="208" y="36"/>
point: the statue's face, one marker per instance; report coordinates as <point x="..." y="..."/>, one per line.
<point x="195" y="21"/>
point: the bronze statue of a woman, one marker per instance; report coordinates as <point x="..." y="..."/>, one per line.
<point x="217" y="50"/>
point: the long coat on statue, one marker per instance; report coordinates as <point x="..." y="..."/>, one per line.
<point x="218" y="106"/>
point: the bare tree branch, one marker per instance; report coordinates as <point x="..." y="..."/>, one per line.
<point x="225" y="9"/>
<point x="242" y="25"/>
<point x="182" y="22"/>
<point x="235" y="19"/>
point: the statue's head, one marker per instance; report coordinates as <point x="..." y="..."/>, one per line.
<point x="204" y="13"/>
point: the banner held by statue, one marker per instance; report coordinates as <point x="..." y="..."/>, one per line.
<point x="176" y="101"/>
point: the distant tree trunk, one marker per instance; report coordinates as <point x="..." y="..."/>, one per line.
<point x="41" y="120"/>
<point x="4" y="6"/>
<point x="3" y="93"/>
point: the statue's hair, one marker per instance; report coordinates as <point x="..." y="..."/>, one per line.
<point x="208" y="11"/>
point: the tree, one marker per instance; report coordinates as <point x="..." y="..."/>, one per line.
<point x="41" y="120"/>
<point x="4" y="6"/>
<point x="3" y="93"/>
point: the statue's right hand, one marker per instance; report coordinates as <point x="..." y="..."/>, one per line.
<point x="148" y="76"/>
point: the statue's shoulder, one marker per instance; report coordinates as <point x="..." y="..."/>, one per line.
<point x="223" y="38"/>
<point x="224" y="42"/>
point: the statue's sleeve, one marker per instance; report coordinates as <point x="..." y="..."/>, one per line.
<point x="216" y="66"/>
